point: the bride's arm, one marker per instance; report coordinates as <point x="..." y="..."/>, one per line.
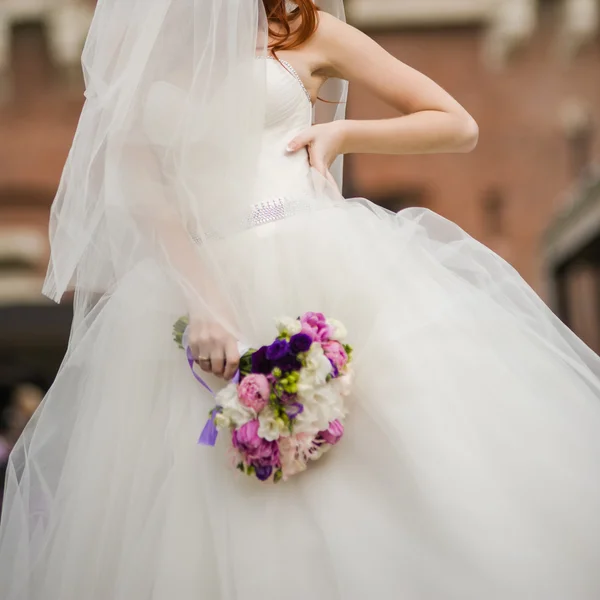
<point x="432" y="121"/>
<point x="168" y="241"/>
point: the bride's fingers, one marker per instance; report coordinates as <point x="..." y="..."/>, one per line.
<point x="204" y="364"/>
<point x="217" y="361"/>
<point x="232" y="360"/>
<point x="318" y="163"/>
<point x="300" y="141"/>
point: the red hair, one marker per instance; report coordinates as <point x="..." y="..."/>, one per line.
<point x="288" y="30"/>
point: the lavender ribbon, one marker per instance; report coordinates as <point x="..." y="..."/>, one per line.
<point x="191" y="362"/>
<point x="209" y="434"/>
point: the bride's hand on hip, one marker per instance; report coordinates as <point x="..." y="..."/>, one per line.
<point x="324" y="144"/>
<point x="214" y="348"/>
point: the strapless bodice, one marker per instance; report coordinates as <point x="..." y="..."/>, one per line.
<point x="289" y="111"/>
<point x="281" y="184"/>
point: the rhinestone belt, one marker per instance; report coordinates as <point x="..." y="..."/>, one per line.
<point x="268" y="211"/>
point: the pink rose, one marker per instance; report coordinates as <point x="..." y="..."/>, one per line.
<point x="308" y="330"/>
<point x="334" y="433"/>
<point x="315" y="325"/>
<point x="336" y="354"/>
<point x="254" y="391"/>
<point x="246" y="437"/>
<point x="254" y="448"/>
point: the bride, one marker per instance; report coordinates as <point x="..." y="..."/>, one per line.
<point x="204" y="181"/>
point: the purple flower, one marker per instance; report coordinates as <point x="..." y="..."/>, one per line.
<point x="289" y="363"/>
<point x="335" y="371"/>
<point x="278" y="350"/>
<point x="263" y="473"/>
<point x="278" y="355"/>
<point x="293" y="410"/>
<point x="287" y="398"/>
<point x="333" y="434"/>
<point x="300" y="342"/>
<point x="260" y="362"/>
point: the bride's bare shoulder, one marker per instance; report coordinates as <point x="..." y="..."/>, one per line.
<point x="328" y="26"/>
<point x="335" y="40"/>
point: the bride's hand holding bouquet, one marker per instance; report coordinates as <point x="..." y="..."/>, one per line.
<point x="213" y="347"/>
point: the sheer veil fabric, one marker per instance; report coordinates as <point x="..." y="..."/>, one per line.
<point x="468" y="469"/>
<point x="174" y="99"/>
<point x="174" y="112"/>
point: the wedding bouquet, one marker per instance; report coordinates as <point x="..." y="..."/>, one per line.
<point x="287" y="404"/>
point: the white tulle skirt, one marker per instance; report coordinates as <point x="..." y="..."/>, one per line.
<point x="469" y="469"/>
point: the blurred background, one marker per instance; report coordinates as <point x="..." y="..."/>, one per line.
<point x="528" y="71"/>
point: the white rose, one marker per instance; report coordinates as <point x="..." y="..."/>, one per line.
<point x="270" y="428"/>
<point x="344" y="383"/>
<point x="307" y="383"/>
<point x="308" y="421"/>
<point x="322" y="406"/>
<point x="331" y="405"/>
<point x="288" y="326"/>
<point x="339" y="330"/>
<point x="318" y="363"/>
<point x="233" y="410"/>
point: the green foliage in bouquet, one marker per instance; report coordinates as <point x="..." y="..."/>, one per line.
<point x="246" y="363"/>
<point x="178" y="329"/>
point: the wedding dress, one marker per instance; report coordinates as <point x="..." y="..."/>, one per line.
<point x="470" y="465"/>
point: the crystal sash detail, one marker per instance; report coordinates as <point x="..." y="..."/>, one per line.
<point x="269" y="211"/>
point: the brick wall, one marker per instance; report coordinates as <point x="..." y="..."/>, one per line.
<point x="508" y="190"/>
<point x="37" y="123"/>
